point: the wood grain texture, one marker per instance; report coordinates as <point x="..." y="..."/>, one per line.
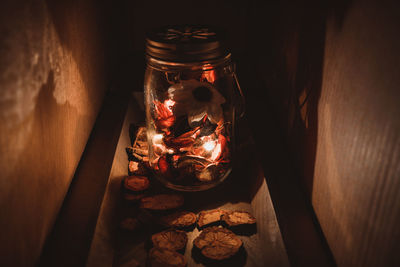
<point x="52" y="85"/>
<point x="271" y="247"/>
<point x="70" y="240"/>
<point x="103" y="244"/>
<point x="357" y="172"/>
<point x="331" y="76"/>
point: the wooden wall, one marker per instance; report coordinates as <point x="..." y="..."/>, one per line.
<point x="52" y="83"/>
<point x="330" y="75"/>
<point x="356" y="184"/>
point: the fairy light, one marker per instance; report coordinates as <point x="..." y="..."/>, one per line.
<point x="159" y="144"/>
<point x="217" y="152"/>
<point x="169" y="104"/>
<point x="209" y="146"/>
<point x="157" y="138"/>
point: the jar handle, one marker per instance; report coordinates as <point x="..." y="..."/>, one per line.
<point x="242" y="102"/>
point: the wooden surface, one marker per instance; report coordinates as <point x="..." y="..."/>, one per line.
<point x="70" y="240"/>
<point x="356" y="188"/>
<point x="300" y="230"/>
<point x="245" y="189"/>
<point x="330" y="76"/>
<point x="102" y="247"/>
<point x="52" y="84"/>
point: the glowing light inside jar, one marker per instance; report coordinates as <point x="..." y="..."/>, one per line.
<point x="157" y="138"/>
<point x="217" y="152"/>
<point x="169" y="104"/>
<point x="159" y="145"/>
<point x="209" y="146"/>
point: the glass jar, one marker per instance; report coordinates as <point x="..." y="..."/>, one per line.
<point x="191" y="98"/>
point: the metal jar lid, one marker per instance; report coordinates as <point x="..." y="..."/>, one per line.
<point x="186" y="43"/>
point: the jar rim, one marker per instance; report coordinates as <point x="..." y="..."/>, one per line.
<point x="163" y="65"/>
<point x="186" y="42"/>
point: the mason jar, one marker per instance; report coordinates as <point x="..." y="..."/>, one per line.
<point x="192" y="99"/>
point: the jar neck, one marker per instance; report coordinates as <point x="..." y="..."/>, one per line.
<point x="199" y="65"/>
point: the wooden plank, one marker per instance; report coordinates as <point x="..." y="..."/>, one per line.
<point x="52" y="84"/>
<point x="271" y="246"/>
<point x="69" y="242"/>
<point x="303" y="241"/>
<point x="356" y="178"/>
<point x="102" y="247"/>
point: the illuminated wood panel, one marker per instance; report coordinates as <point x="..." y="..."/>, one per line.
<point x="52" y="80"/>
<point x="356" y="179"/>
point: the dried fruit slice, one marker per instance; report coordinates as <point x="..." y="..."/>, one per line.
<point x="141" y="144"/>
<point x="209" y="218"/>
<point x="141" y="135"/>
<point x="208" y="174"/>
<point x="136" y="168"/>
<point x="170" y="239"/>
<point x="181" y="219"/>
<point x="136" y="156"/>
<point x="236" y="218"/>
<point x="165" y="258"/>
<point x="138" y="150"/>
<point x="217" y="243"/>
<point x="162" y="202"/>
<point x="136" y="183"/>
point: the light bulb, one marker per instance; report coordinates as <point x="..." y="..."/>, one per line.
<point x="209" y="146"/>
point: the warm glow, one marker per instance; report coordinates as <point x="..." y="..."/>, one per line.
<point x="157" y="138"/>
<point x="159" y="146"/>
<point x="209" y="146"/>
<point x="217" y="152"/>
<point x="169" y="104"/>
<point x="209" y="75"/>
